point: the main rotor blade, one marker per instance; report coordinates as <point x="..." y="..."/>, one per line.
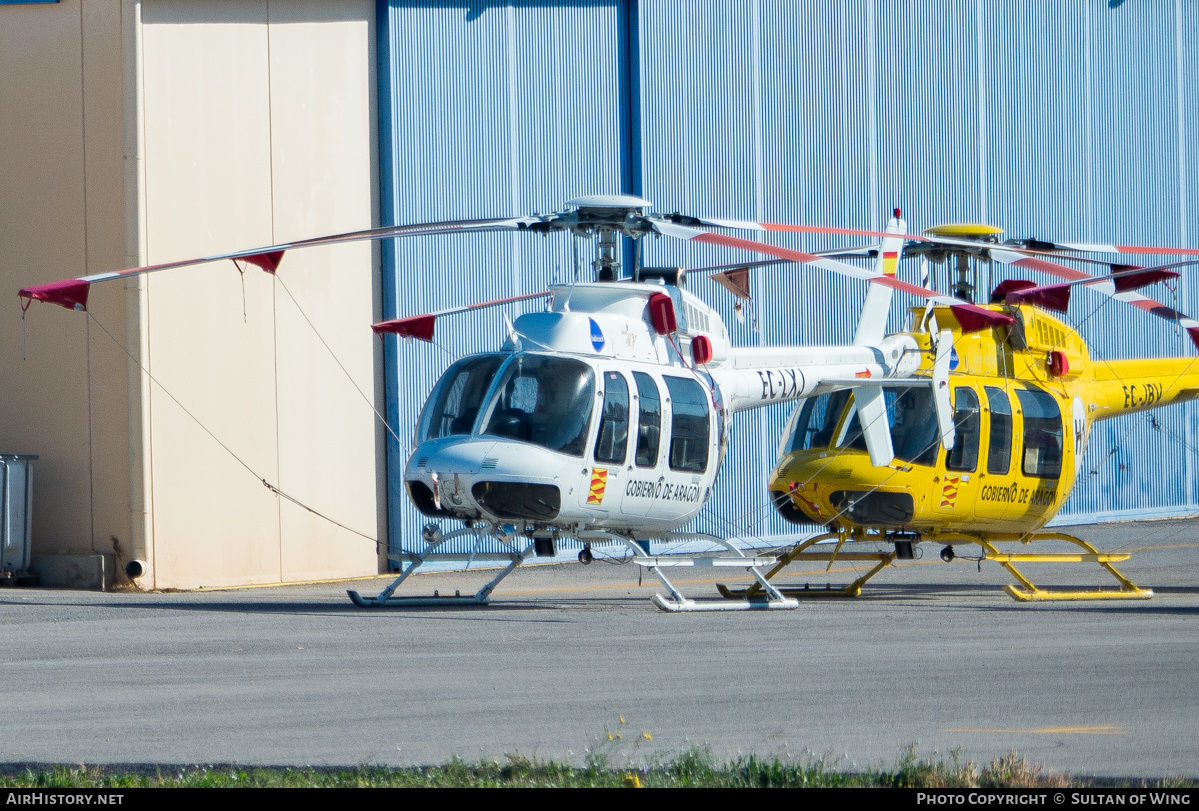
<point x="1123" y="277"/>
<point x="863" y="252"/>
<point x="1104" y="285"/>
<point x="1029" y="247"/>
<point x="72" y="293"/>
<point x="1096" y="247"/>
<point x="971" y="317"/>
<point x="750" y="225"/>
<point x="421" y="326"/>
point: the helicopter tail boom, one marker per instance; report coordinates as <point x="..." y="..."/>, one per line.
<point x="1129" y="386"/>
<point x="756" y="377"/>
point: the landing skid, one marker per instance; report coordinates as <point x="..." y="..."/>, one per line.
<point x="1026" y="591"/>
<point x="800" y="552"/>
<point x="765" y="598"/>
<point x="676" y="606"/>
<point x="481" y="532"/>
<point x="418" y="601"/>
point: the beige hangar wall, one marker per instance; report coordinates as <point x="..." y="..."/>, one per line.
<point x="156" y="130"/>
<point x="258" y="122"/>
<point x="63" y="383"/>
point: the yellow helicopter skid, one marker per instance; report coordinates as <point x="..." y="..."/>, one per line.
<point x="842" y="556"/>
<point x="1045" y="595"/>
<point x="1058" y="557"/>
<point x="1025" y="591"/>
<point x="1029" y="592"/>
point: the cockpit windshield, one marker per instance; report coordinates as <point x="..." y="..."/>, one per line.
<point x="454" y="405"/>
<point x="544" y="400"/>
<point x="915" y="436"/>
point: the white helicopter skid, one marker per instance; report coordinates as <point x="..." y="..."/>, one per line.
<point x="433" y="536"/>
<point x="677" y="602"/>
<point x="517" y="553"/>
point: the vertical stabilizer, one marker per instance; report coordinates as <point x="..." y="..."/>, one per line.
<point x="872" y="325"/>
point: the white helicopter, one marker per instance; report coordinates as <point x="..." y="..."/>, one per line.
<point x="605" y="418"/>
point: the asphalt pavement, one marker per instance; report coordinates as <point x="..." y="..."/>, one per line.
<point x="570" y="660"/>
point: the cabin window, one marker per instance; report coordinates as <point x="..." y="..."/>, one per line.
<point x="546" y="401"/>
<point x="649" y="419"/>
<point x="612" y="443"/>
<point x="1042" y="434"/>
<point x="688" y="425"/>
<point x="999" y="449"/>
<point x="817" y="421"/>
<point x="967" y="426"/>
<point x="457" y="397"/>
<point x="915" y="434"/>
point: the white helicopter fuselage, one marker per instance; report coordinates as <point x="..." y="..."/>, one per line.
<point x="609" y="411"/>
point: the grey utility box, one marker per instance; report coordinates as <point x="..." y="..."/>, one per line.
<point x="16" y="513"/>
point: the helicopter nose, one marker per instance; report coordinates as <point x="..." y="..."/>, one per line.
<point x="503" y="480"/>
<point x="463" y="456"/>
<point x="439" y="472"/>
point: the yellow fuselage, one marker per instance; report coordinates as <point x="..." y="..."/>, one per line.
<point x="1008" y="473"/>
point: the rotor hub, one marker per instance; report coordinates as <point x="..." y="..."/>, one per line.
<point x="605" y="216"/>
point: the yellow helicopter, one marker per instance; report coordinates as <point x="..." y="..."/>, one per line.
<point x="988" y="454"/>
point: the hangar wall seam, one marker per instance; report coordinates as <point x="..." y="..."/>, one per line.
<point x="91" y="406"/>
<point x="1184" y="232"/>
<point x="388" y="189"/>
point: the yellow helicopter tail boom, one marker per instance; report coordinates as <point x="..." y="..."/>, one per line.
<point x="1127" y="386"/>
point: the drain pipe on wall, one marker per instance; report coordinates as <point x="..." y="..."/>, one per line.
<point x="136" y="300"/>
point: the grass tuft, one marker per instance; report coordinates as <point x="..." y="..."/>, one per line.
<point x="1013" y="771"/>
<point x="695" y="767"/>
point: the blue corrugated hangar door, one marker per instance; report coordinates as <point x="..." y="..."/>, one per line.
<point x="487" y="110"/>
<point x="746" y="117"/>
<point x="1054" y="120"/>
<point x="726" y="109"/>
